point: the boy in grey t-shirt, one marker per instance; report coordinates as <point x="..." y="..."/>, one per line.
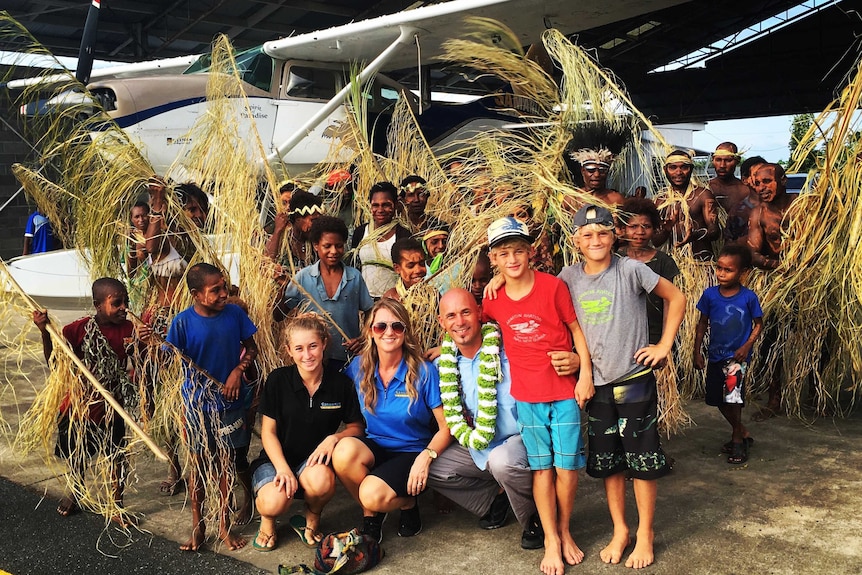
<point x="609" y="294"/>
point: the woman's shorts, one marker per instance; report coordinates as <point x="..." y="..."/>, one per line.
<point x="393" y="467"/>
<point x="265" y="473"/>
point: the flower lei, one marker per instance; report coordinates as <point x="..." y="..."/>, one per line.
<point x="480" y="435"/>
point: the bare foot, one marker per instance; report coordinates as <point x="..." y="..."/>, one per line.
<point x="124" y="520"/>
<point x="171" y="487"/>
<point x="552" y="562"/>
<point x="613" y="553"/>
<point x="572" y="554"/>
<point x="67" y="506"/>
<point x="245" y="513"/>
<point x="232" y="541"/>
<point x="197" y="539"/>
<point x="642" y="556"/>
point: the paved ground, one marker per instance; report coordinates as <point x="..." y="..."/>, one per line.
<point x="794" y="508"/>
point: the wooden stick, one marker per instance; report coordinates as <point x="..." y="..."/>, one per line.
<point x="60" y="341"/>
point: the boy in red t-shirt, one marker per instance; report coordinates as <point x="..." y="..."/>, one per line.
<point x="537" y="319"/>
<point x="101" y="341"/>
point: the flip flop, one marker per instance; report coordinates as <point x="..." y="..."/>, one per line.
<point x="739" y="455"/>
<point x="728" y="447"/>
<point x="297" y="523"/>
<point x="265" y="547"/>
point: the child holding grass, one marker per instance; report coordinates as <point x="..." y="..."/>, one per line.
<point x="213" y="334"/>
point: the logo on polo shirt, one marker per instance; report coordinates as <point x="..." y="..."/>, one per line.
<point x="330" y="405"/>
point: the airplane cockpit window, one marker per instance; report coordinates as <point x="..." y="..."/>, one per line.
<point x="253" y="65"/>
<point x="311" y="83"/>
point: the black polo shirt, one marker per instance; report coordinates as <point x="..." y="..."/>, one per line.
<point x="302" y="421"/>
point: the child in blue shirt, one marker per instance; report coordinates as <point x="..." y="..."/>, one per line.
<point x="213" y="334"/>
<point x="732" y="313"/>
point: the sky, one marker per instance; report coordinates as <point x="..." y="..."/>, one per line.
<point x="767" y="137"/>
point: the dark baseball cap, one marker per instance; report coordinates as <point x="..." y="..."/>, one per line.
<point x="593" y="214"/>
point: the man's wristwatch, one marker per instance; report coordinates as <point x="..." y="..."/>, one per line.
<point x="431" y="453"/>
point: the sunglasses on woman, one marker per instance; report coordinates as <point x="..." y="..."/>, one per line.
<point x="379" y="328"/>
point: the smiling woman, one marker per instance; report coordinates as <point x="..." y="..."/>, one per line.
<point x="372" y="242"/>
<point x="399" y="395"/>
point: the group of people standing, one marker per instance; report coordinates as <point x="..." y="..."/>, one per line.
<point x="494" y="423"/>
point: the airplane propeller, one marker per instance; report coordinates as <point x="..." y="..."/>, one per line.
<point x="88" y="43"/>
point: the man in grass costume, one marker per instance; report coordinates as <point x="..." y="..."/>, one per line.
<point x="487" y="470"/>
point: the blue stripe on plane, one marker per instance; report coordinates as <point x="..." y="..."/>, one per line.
<point x="141" y="115"/>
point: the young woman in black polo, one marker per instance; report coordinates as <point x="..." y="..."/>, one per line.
<point x="302" y="407"/>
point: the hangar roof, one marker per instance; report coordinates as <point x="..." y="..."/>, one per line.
<point x="792" y="64"/>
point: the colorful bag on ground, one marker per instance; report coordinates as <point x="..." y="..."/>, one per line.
<point x="348" y="552"/>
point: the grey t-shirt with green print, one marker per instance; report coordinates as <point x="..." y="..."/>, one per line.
<point x="611" y="308"/>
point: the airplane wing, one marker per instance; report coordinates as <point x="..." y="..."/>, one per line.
<point x="162" y="67"/>
<point x="440" y="22"/>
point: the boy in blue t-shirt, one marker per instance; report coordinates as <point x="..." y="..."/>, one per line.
<point x="213" y="334"/>
<point x="732" y="313"/>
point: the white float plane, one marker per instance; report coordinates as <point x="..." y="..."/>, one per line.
<point x="297" y="87"/>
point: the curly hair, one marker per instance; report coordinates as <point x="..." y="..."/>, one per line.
<point x="369" y="358"/>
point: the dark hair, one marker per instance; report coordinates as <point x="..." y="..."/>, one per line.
<point x="189" y="191"/>
<point x="301" y="199"/>
<point x="745" y="167"/>
<point x="327" y="225"/>
<point x="405" y="245"/>
<point x="385" y="188"/>
<point x="742" y="253"/>
<point x="777" y="169"/>
<point x="635" y="206"/>
<point x="141" y="204"/>
<point x="289" y="186"/>
<point x="197" y="275"/>
<point x="728" y="146"/>
<point x="102" y="287"/>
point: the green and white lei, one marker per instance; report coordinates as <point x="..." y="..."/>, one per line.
<point x="490" y="374"/>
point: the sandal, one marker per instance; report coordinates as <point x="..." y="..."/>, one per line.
<point x="307" y="535"/>
<point x="739" y="454"/>
<point x="266" y="547"/>
<point x="728" y="447"/>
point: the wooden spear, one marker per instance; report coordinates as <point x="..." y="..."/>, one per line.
<point x="61" y="342"/>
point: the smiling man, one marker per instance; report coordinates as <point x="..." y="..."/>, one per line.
<point x="765" y="240"/>
<point x="487" y="470"/>
<point x="701" y="228"/>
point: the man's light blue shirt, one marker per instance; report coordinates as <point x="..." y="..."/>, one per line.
<point x="343" y="307"/>
<point x="507" y="411"/>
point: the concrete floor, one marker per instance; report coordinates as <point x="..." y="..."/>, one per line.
<point x="794" y="508"/>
